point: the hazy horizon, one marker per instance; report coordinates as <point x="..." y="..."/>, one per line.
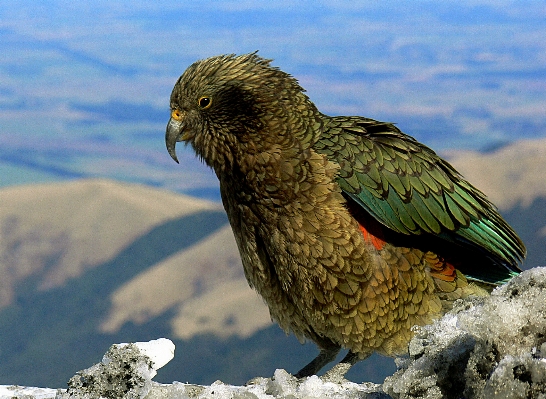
<point x="84" y="88"/>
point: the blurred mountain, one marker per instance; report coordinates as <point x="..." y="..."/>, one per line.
<point x="204" y="286"/>
<point x="57" y="231"/>
<point x="90" y="262"/>
<point x="512" y="175"/>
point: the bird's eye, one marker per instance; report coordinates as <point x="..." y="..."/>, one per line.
<point x="205" y="102"/>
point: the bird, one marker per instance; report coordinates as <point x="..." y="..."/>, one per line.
<point x="350" y="230"/>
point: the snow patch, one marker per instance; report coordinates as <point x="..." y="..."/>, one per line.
<point x="14" y="391"/>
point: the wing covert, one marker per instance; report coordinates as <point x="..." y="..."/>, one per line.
<point x="408" y="188"/>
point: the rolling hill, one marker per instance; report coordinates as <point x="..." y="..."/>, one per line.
<point x="56" y="231"/>
<point x="91" y="262"/>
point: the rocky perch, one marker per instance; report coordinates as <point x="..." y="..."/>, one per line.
<point x="491" y="347"/>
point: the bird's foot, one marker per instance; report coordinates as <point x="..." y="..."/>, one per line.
<point x="326" y="355"/>
<point x="337" y="373"/>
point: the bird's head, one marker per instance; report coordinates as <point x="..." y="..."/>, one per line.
<point x="228" y="107"/>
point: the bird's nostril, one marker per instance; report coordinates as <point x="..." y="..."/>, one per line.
<point x="176" y="114"/>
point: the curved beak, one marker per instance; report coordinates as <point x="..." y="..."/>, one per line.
<point x="174" y="133"/>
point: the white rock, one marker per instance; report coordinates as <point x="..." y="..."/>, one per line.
<point x="160" y="351"/>
<point x="126" y="371"/>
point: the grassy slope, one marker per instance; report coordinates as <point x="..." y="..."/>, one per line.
<point x="48" y="335"/>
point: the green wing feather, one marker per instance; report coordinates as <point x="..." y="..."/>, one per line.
<point x="411" y="190"/>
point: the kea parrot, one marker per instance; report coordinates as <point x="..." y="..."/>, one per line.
<point x="352" y="231"/>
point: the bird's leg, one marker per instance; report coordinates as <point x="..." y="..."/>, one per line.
<point x="326" y="355"/>
<point x="337" y="373"/>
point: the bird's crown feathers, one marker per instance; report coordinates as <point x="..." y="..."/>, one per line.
<point x="249" y="71"/>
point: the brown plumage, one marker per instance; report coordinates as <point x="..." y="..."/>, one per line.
<point x="350" y="230"/>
